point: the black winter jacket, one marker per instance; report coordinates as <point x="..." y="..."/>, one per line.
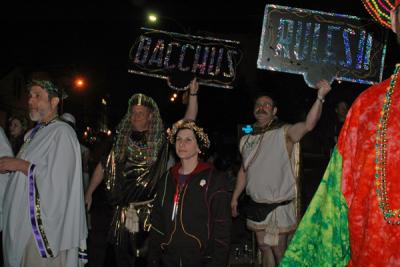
<point x="203" y="218"/>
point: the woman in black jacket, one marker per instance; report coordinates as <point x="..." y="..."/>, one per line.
<point x="191" y="218"/>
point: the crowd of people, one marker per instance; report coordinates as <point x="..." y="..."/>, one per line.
<point x="181" y="215"/>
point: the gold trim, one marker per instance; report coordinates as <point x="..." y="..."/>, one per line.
<point x="40" y="223"/>
<point x="183" y="228"/>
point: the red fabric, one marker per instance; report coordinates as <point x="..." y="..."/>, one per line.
<point x="373" y="242"/>
<point x="200" y="167"/>
<point x="396" y="3"/>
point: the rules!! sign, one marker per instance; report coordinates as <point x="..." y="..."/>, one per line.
<point x="160" y="54"/>
<point x="321" y="45"/>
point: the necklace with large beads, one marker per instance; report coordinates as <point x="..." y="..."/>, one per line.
<point x="392" y="216"/>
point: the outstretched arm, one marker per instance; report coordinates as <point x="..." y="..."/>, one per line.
<point x="192" y="107"/>
<point x="298" y="130"/>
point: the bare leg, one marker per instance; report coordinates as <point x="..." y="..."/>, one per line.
<point x="280" y="249"/>
<point x="268" y="259"/>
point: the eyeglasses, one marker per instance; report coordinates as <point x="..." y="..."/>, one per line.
<point x="266" y="104"/>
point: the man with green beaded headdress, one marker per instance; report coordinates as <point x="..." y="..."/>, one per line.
<point x="354" y="217"/>
<point x="43" y="206"/>
<point x="132" y="169"/>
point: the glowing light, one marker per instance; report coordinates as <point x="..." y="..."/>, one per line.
<point x="109" y="132"/>
<point x="79" y="83"/>
<point x="103" y="101"/>
<point x="247" y="129"/>
<point x="152" y="18"/>
<point x="175" y="95"/>
<point x="172" y="99"/>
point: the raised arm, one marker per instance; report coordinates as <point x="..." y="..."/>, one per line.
<point x="298" y="130"/>
<point x="192" y="107"/>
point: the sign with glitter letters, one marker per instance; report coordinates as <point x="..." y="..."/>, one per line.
<point x="158" y="53"/>
<point x="321" y="45"/>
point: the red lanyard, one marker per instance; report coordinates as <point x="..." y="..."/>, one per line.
<point x="176" y="199"/>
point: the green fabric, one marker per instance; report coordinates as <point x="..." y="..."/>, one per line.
<point x="322" y="237"/>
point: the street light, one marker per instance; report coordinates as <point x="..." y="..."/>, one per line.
<point x="79" y="83"/>
<point x="153" y="18"/>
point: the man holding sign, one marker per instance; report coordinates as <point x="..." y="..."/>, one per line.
<point x="268" y="177"/>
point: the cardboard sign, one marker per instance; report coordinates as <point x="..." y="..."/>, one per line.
<point x="159" y="53"/>
<point x="322" y="45"/>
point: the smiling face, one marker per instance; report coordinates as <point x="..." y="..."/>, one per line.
<point x="41" y="108"/>
<point x="186" y="146"/>
<point x="140" y="118"/>
<point x="264" y="110"/>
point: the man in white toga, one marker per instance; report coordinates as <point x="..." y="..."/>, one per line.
<point x="43" y="210"/>
<point x="268" y="175"/>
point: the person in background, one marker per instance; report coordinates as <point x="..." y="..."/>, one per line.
<point x="85" y="152"/>
<point x="17" y="128"/>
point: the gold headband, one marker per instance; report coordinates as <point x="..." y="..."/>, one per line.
<point x="201" y="136"/>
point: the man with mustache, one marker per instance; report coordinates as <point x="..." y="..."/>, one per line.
<point x="268" y="177"/>
<point x="354" y="217"/>
<point x="43" y="208"/>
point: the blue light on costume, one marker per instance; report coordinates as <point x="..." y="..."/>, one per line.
<point x="247" y="129"/>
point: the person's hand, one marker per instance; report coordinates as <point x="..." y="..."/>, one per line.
<point x="88" y="200"/>
<point x="323" y="88"/>
<point x="234" y="205"/>
<point x="193" y="87"/>
<point x="11" y="164"/>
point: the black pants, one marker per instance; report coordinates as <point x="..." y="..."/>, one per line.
<point x="127" y="248"/>
<point x="125" y="252"/>
<point x="185" y="257"/>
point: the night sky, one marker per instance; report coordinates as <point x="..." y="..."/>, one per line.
<point x="93" y="39"/>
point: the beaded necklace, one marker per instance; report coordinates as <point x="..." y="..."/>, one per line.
<point x="392" y="216"/>
<point x="32" y="134"/>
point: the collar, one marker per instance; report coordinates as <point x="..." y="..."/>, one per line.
<point x="201" y="166"/>
<point x="275" y="124"/>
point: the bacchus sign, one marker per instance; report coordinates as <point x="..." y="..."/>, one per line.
<point x="158" y="54"/>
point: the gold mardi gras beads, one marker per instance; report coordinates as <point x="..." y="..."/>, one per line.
<point x="392" y="216"/>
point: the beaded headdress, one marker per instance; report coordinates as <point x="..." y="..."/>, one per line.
<point x="154" y="133"/>
<point x="48" y="86"/>
<point x="141" y="100"/>
<point x="201" y="137"/>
